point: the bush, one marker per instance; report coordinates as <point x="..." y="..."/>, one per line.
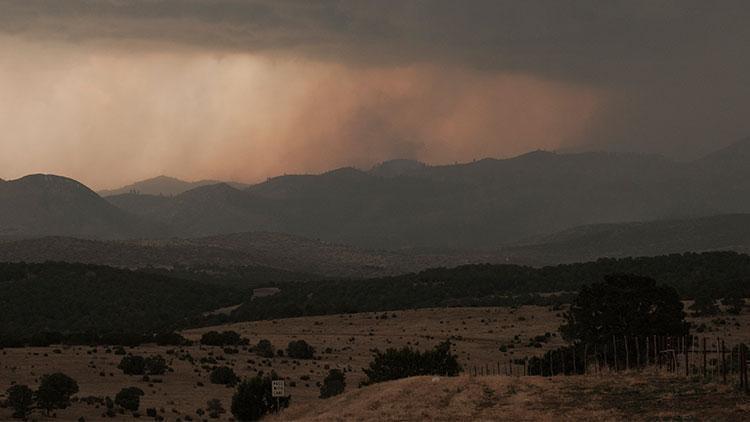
<point x="20" y="399"/>
<point x="55" y="391"/>
<point x="171" y="339"/>
<point x="223" y="375"/>
<point x="253" y="398"/>
<point x="704" y="305"/>
<point x="214" y="408"/>
<point x="129" y="398"/>
<point x="406" y="362"/>
<point x="265" y="349"/>
<point x="132" y="365"/>
<point x="334" y="384"/>
<point x="735" y="303"/>
<point x="299" y="349"/>
<point x="138" y="365"/>
<point x="224" y="338"/>
<point x="624" y="305"/>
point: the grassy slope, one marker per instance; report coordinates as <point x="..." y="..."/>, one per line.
<point x="645" y="396"/>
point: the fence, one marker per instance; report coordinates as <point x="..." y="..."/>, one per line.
<point x="692" y="356"/>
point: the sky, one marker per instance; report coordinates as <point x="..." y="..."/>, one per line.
<point x="113" y="91"/>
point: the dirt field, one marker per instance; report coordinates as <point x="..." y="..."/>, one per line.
<point x="478" y="335"/>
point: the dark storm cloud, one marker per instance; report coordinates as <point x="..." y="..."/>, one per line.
<point x="676" y="72"/>
<point x="574" y="39"/>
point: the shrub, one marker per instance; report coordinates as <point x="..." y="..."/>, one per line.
<point x="223" y="375"/>
<point x="155" y="365"/>
<point x="333" y="384"/>
<point x="224" y="338"/>
<point x="171" y="339"/>
<point x="132" y="365"/>
<point x="129" y="398"/>
<point x="299" y="349"/>
<point x="253" y="398"/>
<point x="624" y="305"/>
<point x="20" y="399"/>
<point x="55" y="391"/>
<point x="214" y="408"/>
<point x="735" y="303"/>
<point x="138" y="365"/>
<point x="704" y="305"/>
<point x="407" y="362"/>
<point x="265" y="349"/>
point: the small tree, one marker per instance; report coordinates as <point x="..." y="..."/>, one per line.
<point x="20" y="399"/>
<point x="299" y="349"/>
<point x="254" y="398"/>
<point x="265" y="349"/>
<point x="155" y="365"/>
<point x="129" y="398"/>
<point x="624" y="305"/>
<point x="334" y="384"/>
<point x="223" y="375"/>
<point x="55" y="391"/>
<point x="132" y="365"/>
<point x="224" y="338"/>
<point x="214" y="408"/>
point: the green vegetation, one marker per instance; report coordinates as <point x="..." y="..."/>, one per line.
<point x="20" y="399"/>
<point x="138" y="365"/>
<point x="624" y="305"/>
<point x="333" y="384"/>
<point x="223" y="375"/>
<point x="299" y="349"/>
<point x="224" y="338"/>
<point x="55" y="391"/>
<point x="86" y="302"/>
<point x="253" y="398"/>
<point x="407" y="362"/>
<point x="129" y="398"/>
<point x="499" y="285"/>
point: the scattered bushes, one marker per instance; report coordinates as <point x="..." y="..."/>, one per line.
<point x="299" y="349"/>
<point x="333" y="384"/>
<point x="223" y="375"/>
<point x="253" y="398"/>
<point x="224" y="338"/>
<point x="407" y="362"/>
<point x="138" y="365"/>
<point x="129" y="398"/>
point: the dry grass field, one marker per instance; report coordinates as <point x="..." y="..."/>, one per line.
<point x="345" y="341"/>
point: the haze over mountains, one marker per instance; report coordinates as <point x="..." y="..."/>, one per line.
<point x="484" y="205"/>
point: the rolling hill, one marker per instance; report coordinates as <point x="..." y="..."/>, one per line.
<point x="164" y="186"/>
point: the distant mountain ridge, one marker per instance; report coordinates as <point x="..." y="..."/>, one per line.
<point x="165" y="186"/>
<point x="404" y="204"/>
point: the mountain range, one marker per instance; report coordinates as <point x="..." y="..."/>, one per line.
<point x="487" y="205"/>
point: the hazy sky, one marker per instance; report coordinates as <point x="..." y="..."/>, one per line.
<point x="111" y="91"/>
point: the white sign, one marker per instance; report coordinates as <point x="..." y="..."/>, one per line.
<point x="277" y="388"/>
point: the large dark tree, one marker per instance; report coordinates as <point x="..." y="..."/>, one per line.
<point x="624" y="304"/>
<point x="55" y="391"/>
<point x="334" y="384"/>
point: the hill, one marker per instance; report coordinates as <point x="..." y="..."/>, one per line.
<point x="163" y="186"/>
<point x="77" y="298"/>
<point x="625" y="397"/>
<point x="51" y="205"/>
<point x="714" y="233"/>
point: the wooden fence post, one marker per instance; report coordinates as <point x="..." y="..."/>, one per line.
<point x="627" y="354"/>
<point x="687" y="362"/>
<point x="723" y="363"/>
<point x="614" y="343"/>
<point x="705" y="357"/>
